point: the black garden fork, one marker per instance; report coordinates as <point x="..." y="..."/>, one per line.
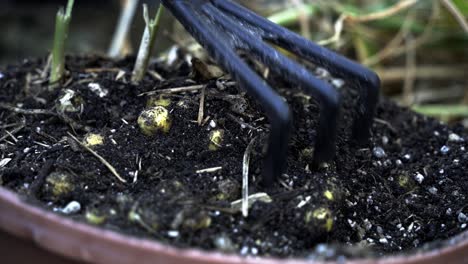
<point x="223" y="27"/>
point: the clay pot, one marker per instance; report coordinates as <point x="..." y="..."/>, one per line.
<point x="33" y="234"/>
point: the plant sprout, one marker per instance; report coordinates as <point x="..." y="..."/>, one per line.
<point x="62" y="22"/>
<point x="147" y="43"/>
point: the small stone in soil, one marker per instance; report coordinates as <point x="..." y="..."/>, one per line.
<point x="98" y="90"/>
<point x="433" y="190"/>
<point x="462" y="218"/>
<point x="419" y="177"/>
<point x="173" y="233"/>
<point x="383" y="240"/>
<point x="385" y="140"/>
<point x="449" y="211"/>
<point x="444" y="149"/>
<point x="244" y="250"/>
<point x="224" y="243"/>
<point x="379" y="152"/>
<point x="454" y="138"/>
<point x="71" y="208"/>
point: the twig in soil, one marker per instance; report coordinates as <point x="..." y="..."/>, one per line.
<point x="46" y="69"/>
<point x="133" y="216"/>
<point x="181" y="89"/>
<point x="11" y="136"/>
<point x="245" y="178"/>
<point x="39" y="180"/>
<point x="209" y="170"/>
<point x="42" y="144"/>
<point x="156" y="75"/>
<point x="251" y="199"/>
<point x="386" y="123"/>
<point x="240" y="122"/>
<point x="101" y="159"/>
<point x="123" y="26"/>
<point x="93" y="70"/>
<point x="9" y="125"/>
<point x="11" y="133"/>
<point x="201" y="107"/>
<point x="26" y="111"/>
<point x="73" y="124"/>
<point x="175" y="90"/>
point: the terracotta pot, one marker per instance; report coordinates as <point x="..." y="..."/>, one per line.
<point x="46" y="236"/>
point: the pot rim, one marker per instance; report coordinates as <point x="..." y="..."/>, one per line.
<point x="84" y="242"/>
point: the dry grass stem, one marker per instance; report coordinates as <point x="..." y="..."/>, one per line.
<point x="92" y="70"/>
<point x="201" y="107"/>
<point x="304" y="18"/>
<point x="175" y="90"/>
<point x="245" y="178"/>
<point x="26" y="111"/>
<point x="386" y="51"/>
<point x="339" y="24"/>
<point x="209" y="170"/>
<point x="429" y="72"/>
<point x="392" y="10"/>
<point x="120" y="37"/>
<point x="456" y="13"/>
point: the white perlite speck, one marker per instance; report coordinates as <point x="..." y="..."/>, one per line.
<point x="71" y="208"/>
<point x="97" y="89"/>
<point x="1" y="75"/>
<point x="444" y="149"/>
<point x="454" y="138"/>
<point x="462" y="218"/>
<point x="212" y="123"/>
<point x="4" y="162"/>
<point x="244" y="250"/>
<point x="419" y="177"/>
<point x="337" y="83"/>
<point x="379" y="152"/>
<point x="449" y="211"/>
<point x="383" y="240"/>
<point x="173" y="233"/>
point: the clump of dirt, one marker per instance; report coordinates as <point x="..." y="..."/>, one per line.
<point x="405" y="189"/>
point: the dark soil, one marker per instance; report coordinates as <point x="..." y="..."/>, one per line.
<point x="408" y="187"/>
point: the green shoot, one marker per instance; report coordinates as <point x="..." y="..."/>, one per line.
<point x="62" y="22"/>
<point x="147" y="43"/>
<point x="454" y="110"/>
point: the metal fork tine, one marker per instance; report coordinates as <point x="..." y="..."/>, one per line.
<point x="277" y="110"/>
<point x="366" y="81"/>
<point x="326" y="95"/>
